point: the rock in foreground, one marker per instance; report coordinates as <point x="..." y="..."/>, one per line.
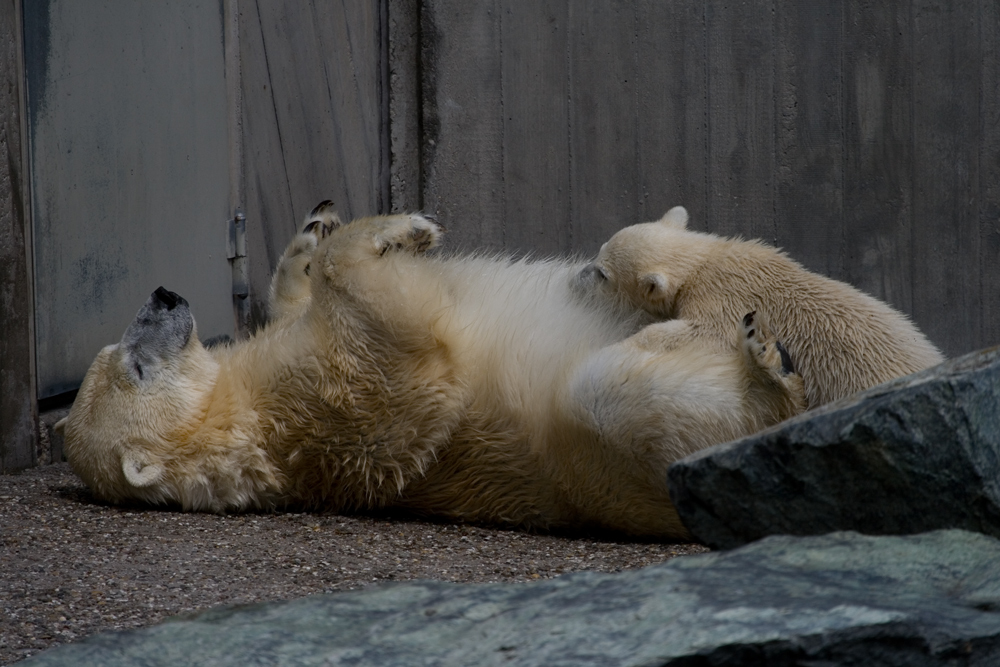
<point x="843" y="598"/>
<point x="916" y="454"/>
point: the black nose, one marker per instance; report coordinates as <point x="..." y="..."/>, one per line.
<point x="170" y="299"/>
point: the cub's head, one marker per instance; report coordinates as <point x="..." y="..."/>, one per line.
<point x="645" y="264"/>
<point x="136" y="397"/>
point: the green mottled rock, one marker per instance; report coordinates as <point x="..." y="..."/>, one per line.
<point x="838" y="599"/>
<point x="916" y="454"/>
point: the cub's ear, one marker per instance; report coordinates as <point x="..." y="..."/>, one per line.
<point x="139" y="470"/>
<point x="675" y="217"/>
<point x="657" y="293"/>
<point x="653" y="285"/>
<point x="60" y="426"/>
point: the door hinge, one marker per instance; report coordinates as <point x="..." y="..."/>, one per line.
<point x="236" y="252"/>
<point x="237" y="246"/>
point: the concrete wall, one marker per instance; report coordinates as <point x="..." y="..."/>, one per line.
<point x="864" y="138"/>
<point x="17" y="383"/>
<point x="128" y="118"/>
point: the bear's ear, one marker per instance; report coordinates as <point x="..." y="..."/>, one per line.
<point x="658" y="294"/>
<point x="60" y="426"/>
<point x="139" y="470"/>
<point x="676" y="217"/>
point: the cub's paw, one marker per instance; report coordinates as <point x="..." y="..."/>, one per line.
<point x="322" y="220"/>
<point x="779" y="388"/>
<point x="413" y="232"/>
<point x="763" y="348"/>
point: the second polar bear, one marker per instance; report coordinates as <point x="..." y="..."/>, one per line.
<point x="470" y="388"/>
<point x="840" y="339"/>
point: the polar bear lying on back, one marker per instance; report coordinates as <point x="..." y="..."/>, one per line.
<point x="471" y="388"/>
<point x="840" y="340"/>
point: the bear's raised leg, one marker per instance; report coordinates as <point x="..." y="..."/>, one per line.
<point x="289" y="292"/>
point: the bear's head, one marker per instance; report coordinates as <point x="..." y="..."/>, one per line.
<point x="135" y="398"/>
<point x="644" y="265"/>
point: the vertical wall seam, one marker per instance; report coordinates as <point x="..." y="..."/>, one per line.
<point x="708" y="118"/>
<point x="338" y="128"/>
<point x="383" y="92"/>
<point x="503" y="126"/>
<point x="234" y="97"/>
<point x="277" y="125"/>
<point x="421" y="103"/>
<point x="570" y="194"/>
<point x="27" y="200"/>
<point x="778" y="96"/>
<point x="640" y="184"/>
<point x="234" y="85"/>
<point x="842" y="251"/>
<point x="913" y="149"/>
<point x="22" y="190"/>
<point x="980" y="198"/>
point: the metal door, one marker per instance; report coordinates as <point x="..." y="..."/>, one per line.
<point x="129" y="148"/>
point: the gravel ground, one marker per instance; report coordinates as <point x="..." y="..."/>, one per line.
<point x="71" y="566"/>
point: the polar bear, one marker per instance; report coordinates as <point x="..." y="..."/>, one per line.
<point x="840" y="339"/>
<point x="469" y="388"/>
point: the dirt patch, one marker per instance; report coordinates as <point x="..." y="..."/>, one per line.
<point x="71" y="566"/>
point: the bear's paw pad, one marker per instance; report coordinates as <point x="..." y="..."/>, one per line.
<point x="416" y="233"/>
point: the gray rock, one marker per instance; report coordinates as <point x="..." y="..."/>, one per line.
<point x="839" y="599"/>
<point x="916" y="454"/>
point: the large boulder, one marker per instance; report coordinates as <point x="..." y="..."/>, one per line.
<point x="915" y="454"/>
<point x="839" y="599"/>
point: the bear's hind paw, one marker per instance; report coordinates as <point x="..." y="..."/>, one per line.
<point x="413" y="232"/>
<point x="322" y="220"/>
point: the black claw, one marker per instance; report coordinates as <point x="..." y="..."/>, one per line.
<point x="786" y="359"/>
<point x="308" y="229"/>
<point x="326" y="203"/>
<point x="751" y="333"/>
<point x="748" y="318"/>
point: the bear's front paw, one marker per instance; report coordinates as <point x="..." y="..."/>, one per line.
<point x="413" y="232"/>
